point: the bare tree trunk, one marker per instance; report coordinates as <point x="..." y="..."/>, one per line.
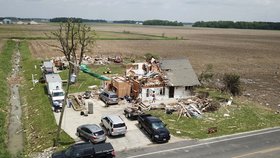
<point x="70" y="35"/>
<point x="63" y="105"/>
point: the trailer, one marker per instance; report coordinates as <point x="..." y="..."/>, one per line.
<point x="48" y="67"/>
<point x="55" y="90"/>
<point x="132" y="112"/>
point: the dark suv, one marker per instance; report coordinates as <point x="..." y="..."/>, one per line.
<point x="87" y="150"/>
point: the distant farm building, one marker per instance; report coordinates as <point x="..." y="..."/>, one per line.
<point x="20" y="22"/>
<point x="33" y="23"/>
<point x="7" y="21"/>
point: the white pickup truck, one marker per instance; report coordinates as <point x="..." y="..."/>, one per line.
<point x="54" y="86"/>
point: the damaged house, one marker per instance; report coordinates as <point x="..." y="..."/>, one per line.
<point x="179" y="77"/>
<point x="165" y="79"/>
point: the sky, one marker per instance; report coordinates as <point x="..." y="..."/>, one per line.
<point x="179" y="10"/>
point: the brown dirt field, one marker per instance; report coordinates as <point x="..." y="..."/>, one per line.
<point x="8" y="31"/>
<point x="254" y="54"/>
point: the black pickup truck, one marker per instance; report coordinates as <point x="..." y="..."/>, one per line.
<point x="87" y="149"/>
<point x="154" y="127"/>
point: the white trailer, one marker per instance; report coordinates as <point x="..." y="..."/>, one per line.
<point x="48" y="67"/>
<point x="55" y="90"/>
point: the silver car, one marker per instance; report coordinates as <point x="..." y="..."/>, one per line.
<point x="109" y="97"/>
<point x="114" y="125"/>
<point x="91" y="132"/>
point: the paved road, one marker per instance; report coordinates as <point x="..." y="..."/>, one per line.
<point x="257" y="144"/>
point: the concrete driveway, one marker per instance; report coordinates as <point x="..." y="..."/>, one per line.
<point x="134" y="138"/>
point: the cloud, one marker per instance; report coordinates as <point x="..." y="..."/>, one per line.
<point x="181" y="10"/>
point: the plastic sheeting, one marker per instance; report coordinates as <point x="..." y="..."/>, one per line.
<point x="85" y="69"/>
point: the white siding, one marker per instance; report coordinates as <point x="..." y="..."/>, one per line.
<point x="158" y="91"/>
<point x="179" y="92"/>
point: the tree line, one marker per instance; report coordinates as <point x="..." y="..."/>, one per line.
<point x="239" y="25"/>
<point x="76" y="20"/>
<point x="162" y="22"/>
<point x="127" y="22"/>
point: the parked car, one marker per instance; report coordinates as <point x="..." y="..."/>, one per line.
<point x="109" y="97"/>
<point x="91" y="132"/>
<point x="114" y="125"/>
<point x="84" y="150"/>
<point x="154" y="127"/>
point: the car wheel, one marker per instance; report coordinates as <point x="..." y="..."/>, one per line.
<point x="101" y="123"/>
<point x="153" y="139"/>
<point x="126" y="115"/>
<point x="78" y="134"/>
<point x="140" y="125"/>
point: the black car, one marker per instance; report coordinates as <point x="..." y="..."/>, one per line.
<point x="154" y="127"/>
<point x="86" y="150"/>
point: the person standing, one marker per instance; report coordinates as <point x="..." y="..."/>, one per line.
<point x="154" y="97"/>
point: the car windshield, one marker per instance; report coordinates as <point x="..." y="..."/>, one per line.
<point x="157" y="125"/>
<point x="119" y="125"/>
<point x="56" y="94"/>
<point x="99" y="133"/>
<point x="113" y="96"/>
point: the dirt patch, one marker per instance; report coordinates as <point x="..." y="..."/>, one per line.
<point x="254" y="54"/>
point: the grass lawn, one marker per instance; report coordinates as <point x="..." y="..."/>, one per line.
<point x="39" y="121"/>
<point x="85" y="80"/>
<point x="5" y="69"/>
<point x="243" y="116"/>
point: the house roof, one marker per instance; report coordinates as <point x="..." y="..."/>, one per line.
<point x="179" y="72"/>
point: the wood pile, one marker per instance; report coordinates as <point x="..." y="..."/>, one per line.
<point x="192" y="107"/>
<point x="78" y="103"/>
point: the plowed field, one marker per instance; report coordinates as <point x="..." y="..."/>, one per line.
<point x="254" y="54"/>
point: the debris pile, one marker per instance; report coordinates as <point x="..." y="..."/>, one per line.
<point x="192" y="107"/>
<point x="62" y="63"/>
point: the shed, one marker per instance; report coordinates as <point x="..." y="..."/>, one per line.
<point x="121" y="86"/>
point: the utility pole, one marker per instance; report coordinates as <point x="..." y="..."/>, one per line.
<point x="62" y="110"/>
<point x="71" y="66"/>
<point x="71" y="36"/>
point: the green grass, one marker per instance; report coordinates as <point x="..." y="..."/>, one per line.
<point x="5" y="69"/>
<point x="243" y="117"/>
<point x="85" y="80"/>
<point x="39" y="121"/>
